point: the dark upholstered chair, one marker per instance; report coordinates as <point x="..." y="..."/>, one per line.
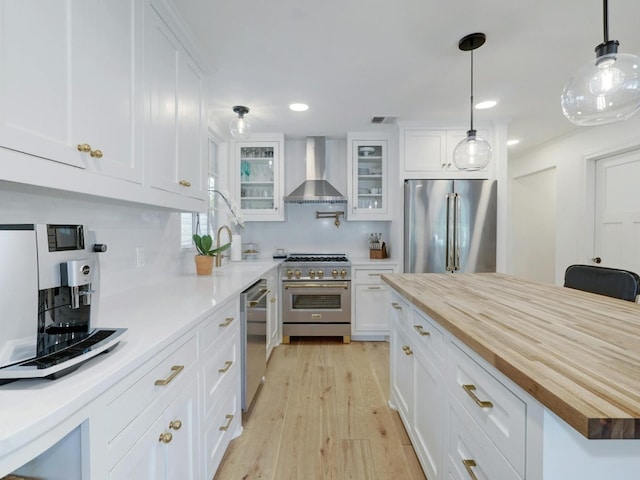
<point x="611" y="282"/>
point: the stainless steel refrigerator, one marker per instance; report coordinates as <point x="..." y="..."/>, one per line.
<point x="449" y="226"/>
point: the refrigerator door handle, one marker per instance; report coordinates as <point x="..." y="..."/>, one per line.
<point x="449" y="265"/>
<point x="456" y="232"/>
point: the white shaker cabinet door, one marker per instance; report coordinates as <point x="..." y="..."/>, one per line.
<point x="41" y="55"/>
<point x="111" y="106"/>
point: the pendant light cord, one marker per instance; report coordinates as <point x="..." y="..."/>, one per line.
<point x="471" y="106"/>
<point x="605" y="16"/>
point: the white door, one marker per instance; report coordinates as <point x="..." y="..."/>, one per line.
<point x="617" y="212"/>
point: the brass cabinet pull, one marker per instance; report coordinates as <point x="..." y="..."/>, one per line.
<point x="227" y="322"/>
<point x="407" y="350"/>
<point x="84" y="147"/>
<point x="374" y="288"/>
<point x="176" y="369"/>
<point x="96" y="153"/>
<point x="273" y="300"/>
<point x="421" y="331"/>
<point x="185" y="183"/>
<point x="468" y="464"/>
<point x="175" y="425"/>
<point x="375" y="274"/>
<point x="229" y="418"/>
<point x="317" y="285"/>
<point x="481" y="403"/>
<point x="227" y="366"/>
<point x="165" y="437"/>
<point x="396" y="306"/>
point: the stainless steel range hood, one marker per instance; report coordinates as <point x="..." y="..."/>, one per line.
<point x="315" y="189"/>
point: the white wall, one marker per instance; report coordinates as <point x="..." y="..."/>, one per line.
<point x="122" y="226"/>
<point x="573" y="159"/>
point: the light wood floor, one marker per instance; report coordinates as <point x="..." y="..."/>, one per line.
<point x="323" y="414"/>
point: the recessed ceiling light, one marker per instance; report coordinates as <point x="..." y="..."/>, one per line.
<point x="486" y="104"/>
<point x="513" y="141"/>
<point x="299" y="107"/>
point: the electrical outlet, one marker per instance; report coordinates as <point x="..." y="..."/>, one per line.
<point x="139" y="257"/>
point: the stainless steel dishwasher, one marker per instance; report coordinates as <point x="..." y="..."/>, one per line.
<point x="253" y="313"/>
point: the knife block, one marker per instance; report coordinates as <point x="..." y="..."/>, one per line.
<point x="379" y="253"/>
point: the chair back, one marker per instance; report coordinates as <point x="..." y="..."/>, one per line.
<point x="611" y="282"/>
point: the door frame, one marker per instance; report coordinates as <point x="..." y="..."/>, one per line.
<point x="590" y="159"/>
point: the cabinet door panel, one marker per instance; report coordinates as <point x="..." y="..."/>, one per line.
<point x="39" y="67"/>
<point x="182" y="451"/>
<point x="162" y="51"/>
<point x="145" y="460"/>
<point x="370" y="309"/>
<point x="112" y="110"/>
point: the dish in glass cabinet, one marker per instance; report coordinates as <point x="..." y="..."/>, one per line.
<point x="366" y="151"/>
<point x="363" y="171"/>
<point x="363" y="191"/>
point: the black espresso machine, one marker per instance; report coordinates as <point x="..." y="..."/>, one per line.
<point x="49" y="282"/>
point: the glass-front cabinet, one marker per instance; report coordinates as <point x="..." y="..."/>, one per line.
<point x="368" y="182"/>
<point x="259" y="176"/>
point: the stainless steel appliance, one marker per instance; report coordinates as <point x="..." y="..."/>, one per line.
<point x="50" y="284"/>
<point x="253" y="313"/>
<point x="316" y="296"/>
<point x="449" y="226"/>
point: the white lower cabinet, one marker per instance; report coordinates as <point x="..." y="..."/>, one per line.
<point x="370" y="301"/>
<point x="464" y="423"/>
<point x="169" y="448"/>
<point x="273" y="286"/>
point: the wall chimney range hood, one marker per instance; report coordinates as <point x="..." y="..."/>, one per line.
<point x="315" y="188"/>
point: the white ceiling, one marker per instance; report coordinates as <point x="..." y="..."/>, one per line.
<point x="354" y="59"/>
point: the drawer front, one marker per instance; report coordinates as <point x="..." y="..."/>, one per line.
<point x="369" y="276"/>
<point x="400" y="309"/>
<point x="220" y="327"/>
<point x="471" y="453"/>
<point x="428" y="338"/>
<point x="221" y="431"/>
<point x="221" y="373"/>
<point x="502" y="418"/>
<point x="124" y="408"/>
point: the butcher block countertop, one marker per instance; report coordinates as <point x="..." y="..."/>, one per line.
<point x="577" y="353"/>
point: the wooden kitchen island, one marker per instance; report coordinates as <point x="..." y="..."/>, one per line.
<point x="545" y="379"/>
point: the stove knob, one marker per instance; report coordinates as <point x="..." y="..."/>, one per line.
<point x="343" y="273"/>
<point x="312" y="273"/>
<point x="334" y="273"/>
<point x="320" y="273"/>
<point x="289" y="273"/>
<point x="297" y="273"/>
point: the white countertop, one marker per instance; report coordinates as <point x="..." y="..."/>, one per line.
<point x="154" y="316"/>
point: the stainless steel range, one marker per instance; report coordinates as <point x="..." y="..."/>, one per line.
<point x="316" y="291"/>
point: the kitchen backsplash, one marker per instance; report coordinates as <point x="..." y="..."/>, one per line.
<point x="303" y="233"/>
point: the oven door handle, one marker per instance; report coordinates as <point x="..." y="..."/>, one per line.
<point x="344" y="285"/>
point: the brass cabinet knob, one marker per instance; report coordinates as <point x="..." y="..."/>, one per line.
<point x="273" y="300"/>
<point x="184" y="183"/>
<point x="84" y="147"/>
<point x="175" y="425"/>
<point x="96" y="153"/>
<point x="165" y="437"/>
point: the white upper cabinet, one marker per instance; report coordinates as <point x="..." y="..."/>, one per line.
<point x="259" y="177"/>
<point x="72" y="76"/>
<point x="175" y="145"/>
<point x="368" y="177"/>
<point x="428" y="153"/>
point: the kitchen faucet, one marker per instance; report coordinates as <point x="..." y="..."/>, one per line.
<point x="219" y="255"/>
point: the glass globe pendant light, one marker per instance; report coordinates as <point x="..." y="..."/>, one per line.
<point x="606" y="89"/>
<point x="473" y="152"/>
<point x="239" y="126"/>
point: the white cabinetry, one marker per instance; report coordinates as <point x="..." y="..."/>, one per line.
<point x="428" y="153"/>
<point x="370" y="301"/>
<point x="368" y="177"/>
<point x="418" y="361"/>
<point x="151" y="425"/>
<point x="273" y="286"/>
<point x="176" y="142"/>
<point x="221" y="418"/>
<point x="260" y="177"/>
<point x="72" y="75"/>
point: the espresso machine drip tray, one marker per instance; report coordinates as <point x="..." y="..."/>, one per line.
<point x="66" y="360"/>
